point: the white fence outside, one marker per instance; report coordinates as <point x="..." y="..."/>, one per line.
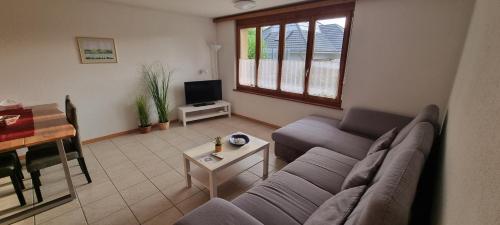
<point x="323" y="80"/>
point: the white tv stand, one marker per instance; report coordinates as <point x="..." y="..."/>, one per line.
<point x="191" y="113"/>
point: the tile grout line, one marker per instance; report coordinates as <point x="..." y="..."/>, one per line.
<point x="173" y="205"/>
<point x="76" y="198"/>
<point x="77" y="195"/>
<point x="111" y="181"/>
<point x="181" y="151"/>
<point x="128" y="206"/>
<point x="173" y="169"/>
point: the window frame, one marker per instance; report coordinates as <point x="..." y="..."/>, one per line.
<point x="311" y="16"/>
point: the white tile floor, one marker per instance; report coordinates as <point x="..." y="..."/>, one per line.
<point x="137" y="178"/>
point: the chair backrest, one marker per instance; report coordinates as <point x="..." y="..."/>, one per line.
<point x="72" y="118"/>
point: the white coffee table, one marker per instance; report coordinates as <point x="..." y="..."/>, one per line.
<point x="211" y="173"/>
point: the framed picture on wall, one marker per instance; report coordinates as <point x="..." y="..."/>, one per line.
<point x="96" y="50"/>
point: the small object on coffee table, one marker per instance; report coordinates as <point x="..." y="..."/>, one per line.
<point x="239" y="139"/>
<point x="218" y="155"/>
<point x="218" y="144"/>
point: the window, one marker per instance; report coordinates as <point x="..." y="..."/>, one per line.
<point x="268" y="60"/>
<point x="294" y="57"/>
<point x="297" y="56"/>
<point x="247" y="57"/>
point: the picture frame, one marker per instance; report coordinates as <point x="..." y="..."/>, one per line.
<point x="96" y="50"/>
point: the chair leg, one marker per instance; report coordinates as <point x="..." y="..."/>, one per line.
<point x="21" y="183"/>
<point x="16" y="182"/>
<point x="38" y="174"/>
<point x="19" y="166"/>
<point x="85" y="171"/>
<point x="35" y="176"/>
<point x="20" y="173"/>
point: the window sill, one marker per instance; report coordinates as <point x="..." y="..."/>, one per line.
<point x="332" y="105"/>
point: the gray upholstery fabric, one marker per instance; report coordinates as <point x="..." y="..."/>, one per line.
<point x="317" y="131"/>
<point x="298" y="194"/>
<point x="282" y="199"/>
<point x="370" y="123"/>
<point x="384" y="141"/>
<point x="323" y="168"/>
<point x="389" y="198"/>
<point x="420" y="138"/>
<point x="362" y="173"/>
<point x="287" y="153"/>
<point x="218" y="212"/>
<point x="335" y="210"/>
<point x="429" y="114"/>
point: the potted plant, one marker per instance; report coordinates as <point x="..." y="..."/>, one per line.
<point x="143" y="111"/>
<point x="158" y="82"/>
<point x="218" y="144"/>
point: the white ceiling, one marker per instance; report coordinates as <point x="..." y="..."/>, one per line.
<point x="205" y="8"/>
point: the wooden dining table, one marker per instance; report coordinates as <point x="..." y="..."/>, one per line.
<point x="50" y="125"/>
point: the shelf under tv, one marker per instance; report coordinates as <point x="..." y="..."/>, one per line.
<point x="191" y="113"/>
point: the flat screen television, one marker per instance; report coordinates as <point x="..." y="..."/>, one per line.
<point x="203" y="92"/>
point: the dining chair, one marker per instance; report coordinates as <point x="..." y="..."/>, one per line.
<point x="46" y="155"/>
<point x="17" y="163"/>
<point x="9" y="168"/>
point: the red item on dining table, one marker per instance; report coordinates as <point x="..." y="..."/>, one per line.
<point x="24" y="127"/>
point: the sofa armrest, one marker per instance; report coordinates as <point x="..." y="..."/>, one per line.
<point x="371" y="123"/>
<point x="218" y="212"/>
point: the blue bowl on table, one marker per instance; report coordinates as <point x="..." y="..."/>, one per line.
<point x="233" y="139"/>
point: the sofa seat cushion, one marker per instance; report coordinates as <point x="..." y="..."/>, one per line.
<point x="318" y="131"/>
<point x="282" y="199"/>
<point x="322" y="167"/>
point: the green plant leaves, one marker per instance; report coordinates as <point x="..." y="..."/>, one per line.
<point x="158" y="82"/>
<point x="143" y="110"/>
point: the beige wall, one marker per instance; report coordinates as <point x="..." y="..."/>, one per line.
<point x="403" y="55"/>
<point x="39" y="61"/>
<point x="470" y="190"/>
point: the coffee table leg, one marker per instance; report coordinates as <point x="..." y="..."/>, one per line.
<point x="213" y="185"/>
<point x="187" y="169"/>
<point x="266" y="163"/>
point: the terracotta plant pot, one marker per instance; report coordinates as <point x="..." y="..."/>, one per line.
<point x="164" y="126"/>
<point x="145" y="130"/>
<point x="218" y="148"/>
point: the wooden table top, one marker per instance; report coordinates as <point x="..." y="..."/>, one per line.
<point x="50" y="125"/>
<point x="230" y="152"/>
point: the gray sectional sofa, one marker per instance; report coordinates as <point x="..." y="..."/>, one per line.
<point x="363" y="170"/>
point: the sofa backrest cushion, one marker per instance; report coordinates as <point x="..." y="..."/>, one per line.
<point x="428" y="114"/>
<point x="389" y="198"/>
<point x="363" y="171"/>
<point x="370" y="123"/>
<point x="384" y="141"/>
<point x="336" y="209"/>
